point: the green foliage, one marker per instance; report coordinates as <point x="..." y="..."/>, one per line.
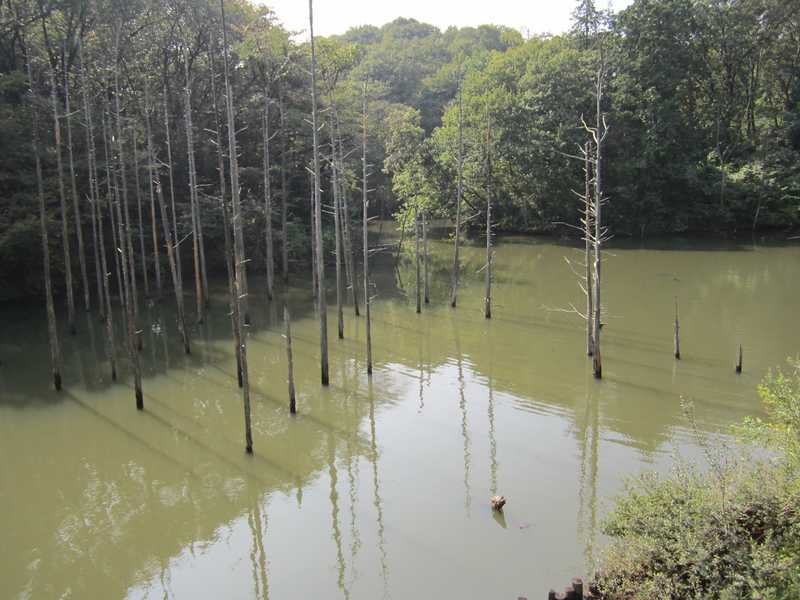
<point x="732" y="532"/>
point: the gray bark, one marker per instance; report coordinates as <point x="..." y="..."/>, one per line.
<point x="365" y="241"/>
<point x="64" y="215"/>
<point x="52" y="328"/>
<point x="459" y="192"/>
<point x="270" y="260"/>
<point x="289" y="359"/>
<point x="239" y="256"/>
<point x="74" y="188"/>
<point x="323" y="309"/>
<point x="193" y="201"/>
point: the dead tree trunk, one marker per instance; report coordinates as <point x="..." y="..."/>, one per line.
<point x="226" y="223"/>
<point x="74" y="188"/>
<point x="456" y="262"/>
<point x="140" y="213"/>
<point x="426" y="279"/>
<point x="94" y="195"/>
<point x="151" y="178"/>
<point x="64" y="215"/>
<point x="739" y="361"/>
<point x="106" y="297"/>
<point x="289" y="359"/>
<point x="239" y="256"/>
<point x="587" y="236"/>
<point x="677" y="332"/>
<point x="52" y="328"/>
<point x="133" y="295"/>
<point x="268" y="201"/>
<point x="130" y="318"/>
<point x="599" y="134"/>
<point x="487" y="300"/>
<point x="365" y="239"/>
<point x="172" y="257"/>
<point x="337" y="225"/>
<point x="416" y="260"/>
<point x="198" y="275"/>
<point x="323" y="309"/>
<point x="175" y="232"/>
<point x="111" y="193"/>
<point x="347" y="237"/>
<point x="284" y="193"/>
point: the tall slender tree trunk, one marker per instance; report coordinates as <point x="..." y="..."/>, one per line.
<point x="597" y="363"/>
<point x="364" y="232"/>
<point x="487" y="300"/>
<point x="132" y="292"/>
<point x="418" y="278"/>
<point x="284" y="193"/>
<point x="111" y="193"/>
<point x="337" y="224"/>
<point x="106" y="296"/>
<point x="270" y="260"/>
<point x="94" y="196"/>
<point x="289" y="360"/>
<point x="151" y="178"/>
<point x="52" y="327"/>
<point x="677" y="347"/>
<point x="130" y="317"/>
<point x="74" y="188"/>
<point x="198" y="275"/>
<point x="172" y="257"/>
<point x="239" y="256"/>
<point x="426" y="282"/>
<point x="140" y="213"/>
<point x="323" y="308"/>
<point x="459" y="192"/>
<point x="64" y="215"/>
<point x="314" y="286"/>
<point x="175" y="231"/>
<point x="587" y="237"/>
<point x="347" y="236"/>
<point x="226" y="223"/>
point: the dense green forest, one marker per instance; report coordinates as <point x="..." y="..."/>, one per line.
<point x="702" y="100"/>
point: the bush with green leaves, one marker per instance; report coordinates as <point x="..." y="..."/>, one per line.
<point x="731" y="531"/>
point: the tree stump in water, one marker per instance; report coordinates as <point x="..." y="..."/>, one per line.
<point x="498" y="502"/>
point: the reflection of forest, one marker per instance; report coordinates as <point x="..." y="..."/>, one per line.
<point x="85" y="500"/>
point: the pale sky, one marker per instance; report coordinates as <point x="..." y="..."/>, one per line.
<point x="337" y="16"/>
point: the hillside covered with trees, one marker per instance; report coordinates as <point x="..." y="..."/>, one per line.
<point x="702" y="102"/>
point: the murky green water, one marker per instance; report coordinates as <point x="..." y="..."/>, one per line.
<point x="378" y="489"/>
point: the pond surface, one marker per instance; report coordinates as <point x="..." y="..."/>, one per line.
<point x="378" y="488"/>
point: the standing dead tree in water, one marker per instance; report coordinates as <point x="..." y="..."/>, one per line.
<point x="200" y="278"/>
<point x="337" y="224"/>
<point x="76" y="208"/>
<point x="62" y="198"/>
<point x="131" y="291"/>
<point x="94" y="195"/>
<point x="151" y="178"/>
<point x="284" y="190"/>
<point x="459" y="192"/>
<point x="140" y="213"/>
<point x="239" y="256"/>
<point x="127" y="304"/>
<point x="365" y="240"/>
<point x="52" y="328"/>
<point x="226" y="223"/>
<point x="289" y="359"/>
<point x="347" y="236"/>
<point x="417" y="259"/>
<point x="677" y="346"/>
<point x="177" y="284"/>
<point x="598" y="134"/>
<point x="320" y="256"/>
<point x="270" y="259"/>
<point x="487" y="299"/>
<point x="426" y="279"/>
